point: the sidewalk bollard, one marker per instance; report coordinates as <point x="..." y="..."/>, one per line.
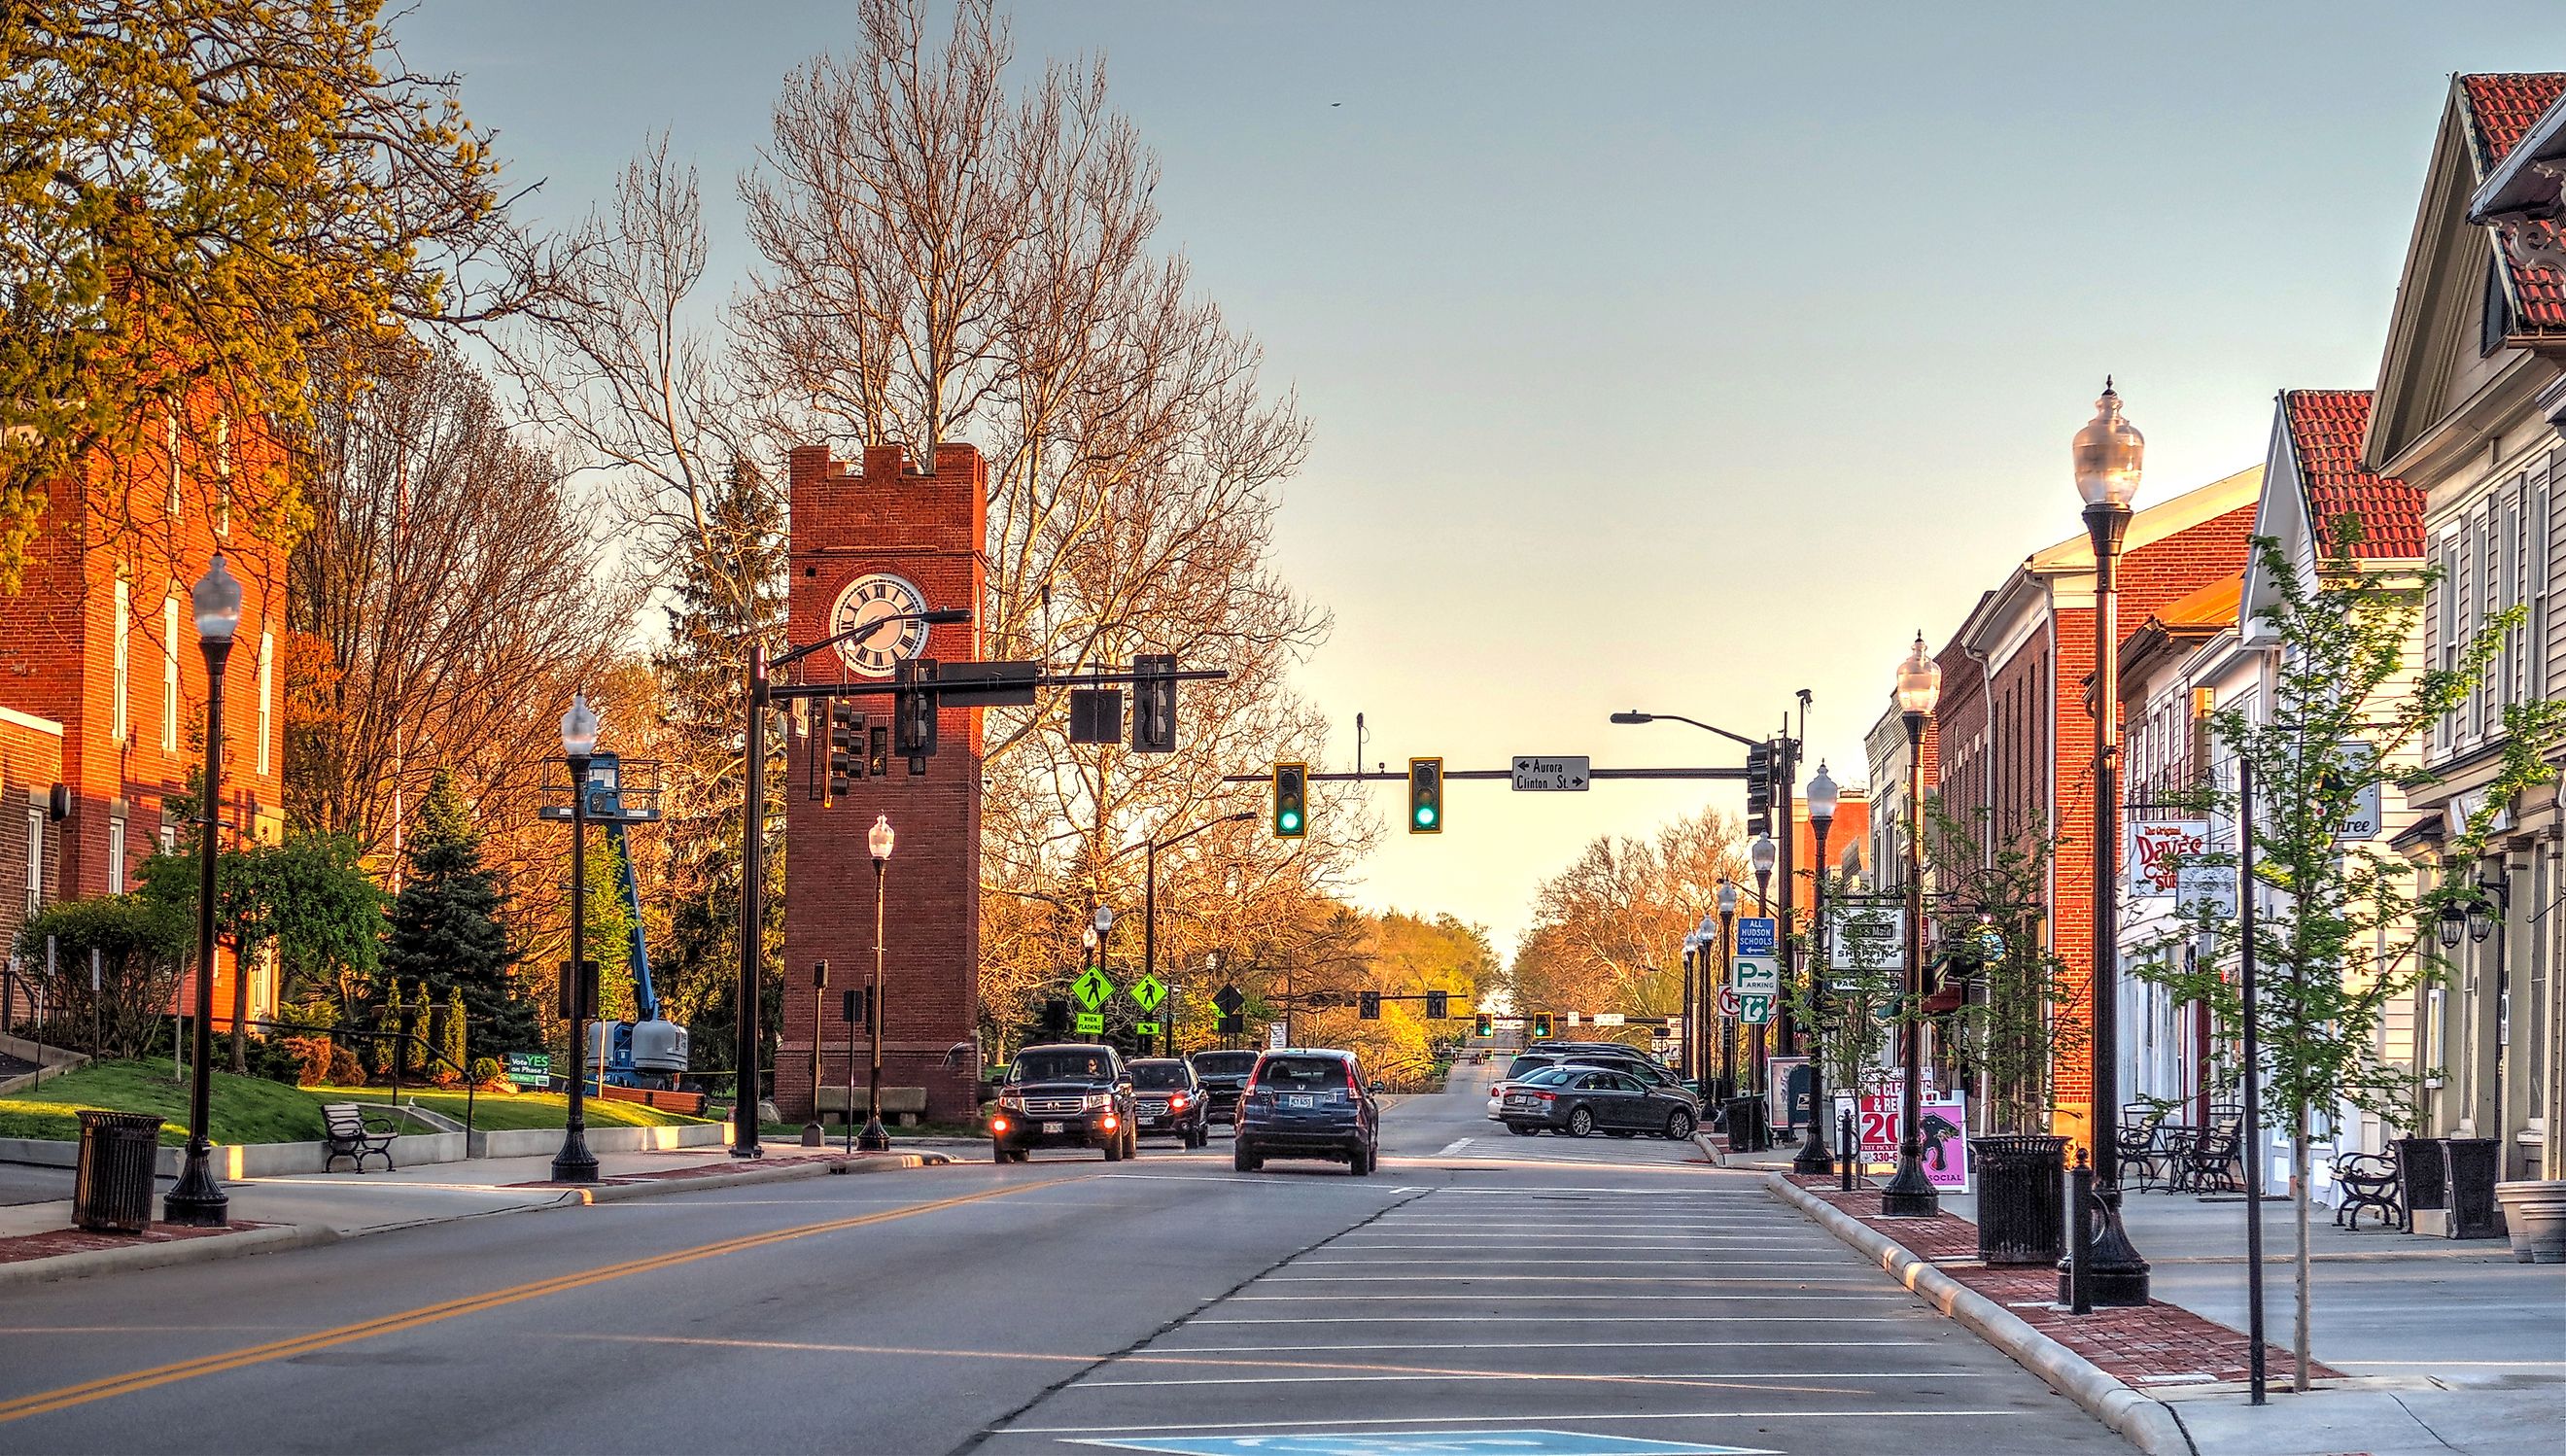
<point x="2080" y="1234"/>
<point x="1847" y="1148"/>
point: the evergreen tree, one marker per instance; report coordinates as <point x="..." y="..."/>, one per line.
<point x="454" y="1039"/>
<point x="387" y="1046"/>
<point x="446" y="929"/>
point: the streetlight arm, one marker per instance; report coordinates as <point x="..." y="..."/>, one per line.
<point x="933" y="617"/>
<point x="1137" y="846"/>
<point x="1639" y="717"/>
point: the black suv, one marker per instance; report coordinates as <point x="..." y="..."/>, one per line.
<point x="1066" y="1096"/>
<point x="1307" y="1103"/>
<point x="1172" y="1101"/>
<point x="1224" y="1075"/>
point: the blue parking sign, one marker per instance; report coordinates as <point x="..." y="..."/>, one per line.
<point x="1758" y="935"/>
<point x="1416" y="1443"/>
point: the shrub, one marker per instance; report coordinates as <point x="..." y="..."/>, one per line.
<point x="345" y="1069"/>
<point x="486" y="1072"/>
<point x="314" y="1058"/>
<point x="275" y="1060"/>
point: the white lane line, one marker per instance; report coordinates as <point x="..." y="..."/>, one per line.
<point x="1775" y="1298"/>
<point x="1456" y="1145"/>
<point x="1646" y="1258"/>
<point x="1918" y="1318"/>
<point x="1794" y="1281"/>
<point x="1481" y="1420"/>
<point x="1549" y="1344"/>
<point x="1616" y="1378"/>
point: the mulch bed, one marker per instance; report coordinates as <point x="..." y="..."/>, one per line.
<point x="2159" y="1345"/>
<point x="54" y="1242"/>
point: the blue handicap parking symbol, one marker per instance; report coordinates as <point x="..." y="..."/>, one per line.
<point x="1418" y="1443"/>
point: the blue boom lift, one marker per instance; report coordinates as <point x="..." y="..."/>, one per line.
<point x="649" y="1051"/>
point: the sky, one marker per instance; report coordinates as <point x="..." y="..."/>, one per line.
<point x="1667" y="357"/>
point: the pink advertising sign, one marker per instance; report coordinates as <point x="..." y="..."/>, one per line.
<point x="1946" y="1144"/>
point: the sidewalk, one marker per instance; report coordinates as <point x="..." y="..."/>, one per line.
<point x="2419" y="1346"/>
<point x="38" y="1242"/>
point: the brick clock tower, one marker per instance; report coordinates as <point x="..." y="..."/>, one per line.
<point x="873" y="540"/>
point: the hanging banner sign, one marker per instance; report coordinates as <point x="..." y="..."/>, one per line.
<point x="2361" y="822"/>
<point x="2207" y="892"/>
<point x="2156" y="848"/>
<point x="1866" y="933"/>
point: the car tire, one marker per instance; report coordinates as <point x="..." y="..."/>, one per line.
<point x="1680" y="1125"/>
<point x="1520" y="1131"/>
<point x="1114" y="1150"/>
<point x="1244" y="1159"/>
<point x="1581" y="1122"/>
<point x="1357" y="1164"/>
<point x="998" y="1153"/>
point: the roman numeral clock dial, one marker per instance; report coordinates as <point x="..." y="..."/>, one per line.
<point x="874" y="598"/>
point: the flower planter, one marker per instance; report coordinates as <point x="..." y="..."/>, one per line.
<point x="2535" y="1214"/>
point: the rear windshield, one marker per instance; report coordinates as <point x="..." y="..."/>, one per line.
<point x="1223" y="1064"/>
<point x="1061" y="1067"/>
<point x="1301" y="1072"/>
<point x="1547" y="1077"/>
<point x="1157" y="1073"/>
<point x="1524" y="1065"/>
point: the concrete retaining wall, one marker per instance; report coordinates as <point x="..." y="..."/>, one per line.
<point x="251" y="1159"/>
<point x="530" y="1141"/>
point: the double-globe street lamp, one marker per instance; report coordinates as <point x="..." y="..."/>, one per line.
<point x="2107" y="453"/>
<point x="1816" y="1155"/>
<point x="1910" y="1193"/>
<point x="876" y="1137"/>
<point x="1761" y="857"/>
<point x="1727" y="901"/>
<point x="197" y="1200"/>
<point x="574" y="1163"/>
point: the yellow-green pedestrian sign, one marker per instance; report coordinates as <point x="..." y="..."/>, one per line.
<point x="1092" y="989"/>
<point x="1091" y="1023"/>
<point x="1145" y="1028"/>
<point x="1148" y="991"/>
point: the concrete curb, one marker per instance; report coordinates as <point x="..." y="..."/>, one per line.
<point x="158" y="1256"/>
<point x="772" y="1173"/>
<point x="2147" y="1424"/>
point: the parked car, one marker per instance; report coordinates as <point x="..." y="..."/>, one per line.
<point x="1068" y="1095"/>
<point x="1173" y="1101"/>
<point x="1308" y="1102"/>
<point x="1224" y="1075"/>
<point x="1580" y="1100"/>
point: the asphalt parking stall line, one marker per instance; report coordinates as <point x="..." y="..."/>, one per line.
<point x="1806" y="1350"/>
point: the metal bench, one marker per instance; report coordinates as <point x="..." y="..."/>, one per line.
<point x="349" y="1137"/>
<point x="2368" y="1181"/>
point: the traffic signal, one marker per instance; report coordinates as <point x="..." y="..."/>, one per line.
<point x="1055" y="1017"/>
<point x="857" y="1006"/>
<point x="1759" y="788"/>
<point x="1153" y="702"/>
<point x="1291" y="800"/>
<point x="1485" y="1026"/>
<point x="913" y="711"/>
<point x="1436" y="1005"/>
<point x="586" y="985"/>
<point x="846" y="746"/>
<point x="820" y="973"/>
<point x="1367" y="1005"/>
<point x="1426" y="796"/>
<point x="1541" y="1025"/>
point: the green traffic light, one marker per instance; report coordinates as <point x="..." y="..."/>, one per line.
<point x="1289" y="821"/>
<point x="1425" y="816"/>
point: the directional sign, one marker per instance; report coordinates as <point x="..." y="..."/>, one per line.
<point x="1091" y="1023"/>
<point x="1148" y="991"/>
<point x="1146" y="1028"/>
<point x="1755" y="1011"/>
<point x="1728" y="1005"/>
<point x="1228" y="1000"/>
<point x="1756" y="975"/>
<point x="1550" y="775"/>
<point x="1758" y="935"/>
<point x="1092" y="989"/>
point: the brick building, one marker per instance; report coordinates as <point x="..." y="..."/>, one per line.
<point x="2012" y="737"/>
<point x="98" y="652"/>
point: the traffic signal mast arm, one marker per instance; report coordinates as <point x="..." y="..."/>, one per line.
<point x="1385" y="776"/>
<point x="970" y="686"/>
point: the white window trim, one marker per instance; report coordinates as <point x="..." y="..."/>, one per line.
<point x="177" y="499"/>
<point x="266" y="694"/>
<point x="115" y="856"/>
<point x="168" y="839"/>
<point x="223" y="472"/>
<point x="169" y="674"/>
<point x="119" y="717"/>
<point x="34" y="859"/>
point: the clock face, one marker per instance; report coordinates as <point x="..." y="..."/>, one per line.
<point x="871" y="598"/>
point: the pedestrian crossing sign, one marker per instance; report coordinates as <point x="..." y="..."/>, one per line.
<point x="1090" y="989"/>
<point x="1145" y="1028"/>
<point x="1148" y="991"/>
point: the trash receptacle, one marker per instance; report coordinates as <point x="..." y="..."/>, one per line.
<point x="1745" y="1125"/>
<point x="2469" y="1167"/>
<point x="2022" y="1210"/>
<point x="119" y="1154"/>
<point x="2418" y="1183"/>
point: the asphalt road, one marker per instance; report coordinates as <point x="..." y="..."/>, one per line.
<point x="1477" y="1283"/>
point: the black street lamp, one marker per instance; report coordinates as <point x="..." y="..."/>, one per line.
<point x="1761" y="855"/>
<point x="813" y="1134"/>
<point x="199" y="1200"/>
<point x="574" y="1163"/>
<point x="876" y="1137"/>
<point x="1910" y="1193"/>
<point x="1693" y="1045"/>
<point x="1814" y="1155"/>
<point x="1728" y="1033"/>
<point x="2107" y="453"/>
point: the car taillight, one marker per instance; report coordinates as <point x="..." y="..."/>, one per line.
<point x="1547" y="1096"/>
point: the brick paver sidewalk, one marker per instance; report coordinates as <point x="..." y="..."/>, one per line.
<point x="2159" y="1345"/>
<point x="52" y="1242"/>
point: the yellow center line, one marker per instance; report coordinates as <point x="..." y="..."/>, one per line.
<point x="136" y="1381"/>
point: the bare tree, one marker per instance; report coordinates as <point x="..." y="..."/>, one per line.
<point x="1608" y="930"/>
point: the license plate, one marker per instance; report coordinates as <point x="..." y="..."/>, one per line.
<point x="1299" y="1100"/>
<point x="1051" y="1127"/>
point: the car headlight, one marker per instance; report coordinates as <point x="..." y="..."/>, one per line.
<point x="1015" y="1099"/>
<point x="1097" y="1102"/>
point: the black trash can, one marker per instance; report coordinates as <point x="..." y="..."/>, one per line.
<point x="2023" y="1200"/>
<point x="119" y="1154"/>
<point x="2419" y="1170"/>
<point x="2469" y="1168"/>
<point x="1745" y="1125"/>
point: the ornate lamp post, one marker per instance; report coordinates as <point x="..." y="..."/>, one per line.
<point x="1727" y="938"/>
<point x="2107" y="453"/>
<point x="1761" y="857"/>
<point x="876" y="1137"/>
<point x="1814" y="1155"/>
<point x="197" y="1200"/>
<point x="1692" y="1067"/>
<point x="574" y="1163"/>
<point x="1910" y="1193"/>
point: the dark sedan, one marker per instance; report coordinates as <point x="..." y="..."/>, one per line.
<point x="1173" y="1101"/>
<point x="1581" y="1101"/>
<point x="1224" y="1075"/>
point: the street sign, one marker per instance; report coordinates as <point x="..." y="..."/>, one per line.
<point x="1550" y="775"/>
<point x="1092" y="989"/>
<point x="2207" y="891"/>
<point x="1148" y="991"/>
<point x="530" y="1069"/>
<point x="1866" y="933"/>
<point x="1947" y="1149"/>
<point x="1146" y="1028"/>
<point x="1228" y="999"/>
<point x="1755" y="1011"/>
<point x="1608" y="1018"/>
<point x="1729" y="1004"/>
<point x="1756" y="975"/>
<point x="1758" y="935"/>
<point x="1277" y="1036"/>
<point x="1091" y="1023"/>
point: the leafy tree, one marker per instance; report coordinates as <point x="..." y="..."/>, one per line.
<point x="445" y="932"/>
<point x="1992" y="885"/>
<point x="143" y="951"/>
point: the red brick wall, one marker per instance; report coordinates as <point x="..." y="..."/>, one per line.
<point x="885" y="516"/>
<point x="31" y="763"/>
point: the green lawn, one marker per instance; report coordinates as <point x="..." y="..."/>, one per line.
<point x="499" y="1111"/>
<point x="245" y="1108"/>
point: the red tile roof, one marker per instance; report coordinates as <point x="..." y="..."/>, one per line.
<point x="2501" y="110"/>
<point x="2326" y="429"/>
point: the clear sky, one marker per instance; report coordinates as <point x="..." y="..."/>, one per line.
<point x="1673" y="356"/>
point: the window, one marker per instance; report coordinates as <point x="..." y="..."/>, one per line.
<point x="168" y="839"/>
<point x="223" y="474"/>
<point x="35" y="860"/>
<point x="266" y="693"/>
<point x="115" y="856"/>
<point x="169" y="674"/>
<point x="170" y="441"/>
<point x="116" y="716"/>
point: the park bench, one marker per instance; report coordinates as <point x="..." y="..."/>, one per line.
<point x="349" y="1137"/>
<point x="2368" y="1181"/>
